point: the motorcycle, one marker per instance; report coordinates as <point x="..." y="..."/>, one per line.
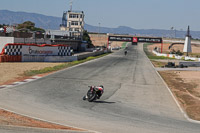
<point x="125" y="52"/>
<point x="94" y="93"/>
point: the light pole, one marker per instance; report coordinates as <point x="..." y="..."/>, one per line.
<point x="99" y="28"/>
<point x="99" y="33"/>
<point x="173" y="28"/>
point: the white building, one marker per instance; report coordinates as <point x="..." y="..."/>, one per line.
<point x="73" y="21"/>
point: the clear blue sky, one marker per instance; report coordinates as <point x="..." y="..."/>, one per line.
<point x="138" y="14"/>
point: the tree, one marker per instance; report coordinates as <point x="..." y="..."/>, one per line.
<point x="2" y="25"/>
<point x="29" y="26"/>
<point x="86" y="37"/>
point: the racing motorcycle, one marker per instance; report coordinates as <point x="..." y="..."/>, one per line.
<point x="94" y="93"/>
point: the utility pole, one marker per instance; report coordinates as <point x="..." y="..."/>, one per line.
<point x="71" y="3"/>
<point x="99" y="28"/>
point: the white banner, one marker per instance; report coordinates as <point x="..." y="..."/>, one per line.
<point x="34" y="50"/>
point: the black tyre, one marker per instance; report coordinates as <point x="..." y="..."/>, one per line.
<point x="91" y="96"/>
<point x="84" y="98"/>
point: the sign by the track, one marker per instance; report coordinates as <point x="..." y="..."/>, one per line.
<point x="149" y="40"/>
<point x="120" y="38"/>
<point x="135" y="39"/>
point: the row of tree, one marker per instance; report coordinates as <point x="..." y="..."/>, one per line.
<point x="2" y="25"/>
<point x="27" y="26"/>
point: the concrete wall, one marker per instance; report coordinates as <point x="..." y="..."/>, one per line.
<point x="4" y="41"/>
<point x="190" y="63"/>
<point x="30" y="40"/>
<point x="48" y="58"/>
<point x="83" y="56"/>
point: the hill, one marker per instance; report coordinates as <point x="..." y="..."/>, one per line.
<point x="49" y="22"/>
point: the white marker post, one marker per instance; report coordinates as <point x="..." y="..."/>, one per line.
<point x="187" y="46"/>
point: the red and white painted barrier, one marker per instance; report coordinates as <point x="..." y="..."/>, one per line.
<point x="15" y="52"/>
<point x="176" y="56"/>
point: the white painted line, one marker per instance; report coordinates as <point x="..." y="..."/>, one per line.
<point x="51" y="122"/>
<point x="14" y="84"/>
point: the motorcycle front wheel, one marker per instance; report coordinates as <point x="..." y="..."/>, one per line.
<point x="84" y="98"/>
<point x="91" y="96"/>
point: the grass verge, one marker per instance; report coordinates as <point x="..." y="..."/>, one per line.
<point x="124" y="45"/>
<point x="62" y="66"/>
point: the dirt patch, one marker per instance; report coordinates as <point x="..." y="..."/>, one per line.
<point x="185" y="85"/>
<point x="11" y="72"/>
<point x="158" y="63"/>
<point x="8" y="118"/>
<point x="102" y="40"/>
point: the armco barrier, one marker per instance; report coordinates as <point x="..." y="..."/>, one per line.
<point x="190" y="63"/>
<point x="83" y="56"/>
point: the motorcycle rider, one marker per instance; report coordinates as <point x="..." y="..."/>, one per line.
<point x="125" y="52"/>
<point x="99" y="91"/>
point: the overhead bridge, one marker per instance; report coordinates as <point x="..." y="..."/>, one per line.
<point x="135" y="39"/>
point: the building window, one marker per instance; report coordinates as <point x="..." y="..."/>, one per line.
<point x="73" y="15"/>
<point x="74" y="23"/>
<point x="76" y="29"/>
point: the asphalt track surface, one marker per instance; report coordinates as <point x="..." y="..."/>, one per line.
<point x="135" y="99"/>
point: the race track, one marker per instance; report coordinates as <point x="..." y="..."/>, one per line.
<point x="135" y="99"/>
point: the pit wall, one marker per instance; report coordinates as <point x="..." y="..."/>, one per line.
<point x="88" y="54"/>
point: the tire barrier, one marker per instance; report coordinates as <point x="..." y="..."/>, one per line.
<point x="10" y="58"/>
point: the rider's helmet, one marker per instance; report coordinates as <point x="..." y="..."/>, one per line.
<point x="101" y="86"/>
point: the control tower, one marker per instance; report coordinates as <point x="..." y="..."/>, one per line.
<point x="73" y="21"/>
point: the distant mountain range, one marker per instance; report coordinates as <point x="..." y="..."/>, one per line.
<point x="49" y="22"/>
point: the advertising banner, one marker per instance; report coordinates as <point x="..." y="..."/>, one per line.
<point x="120" y="38"/>
<point x="135" y="39"/>
<point x="149" y="40"/>
<point x="34" y="50"/>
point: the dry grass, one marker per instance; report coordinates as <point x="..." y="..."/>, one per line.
<point x="11" y="72"/>
<point x="9" y="118"/>
<point x="186" y="89"/>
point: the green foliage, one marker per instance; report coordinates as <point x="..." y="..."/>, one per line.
<point x="176" y="52"/>
<point x="86" y="37"/>
<point x="124" y="44"/>
<point x="2" y="25"/>
<point x="29" y="26"/>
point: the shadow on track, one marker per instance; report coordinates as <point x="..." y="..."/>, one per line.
<point x="103" y="102"/>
